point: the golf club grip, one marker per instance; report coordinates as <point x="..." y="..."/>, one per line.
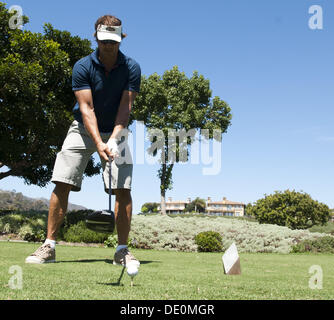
<point x="109" y="184"/>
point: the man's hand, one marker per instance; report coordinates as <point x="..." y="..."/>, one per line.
<point x="113" y="147"/>
<point x="104" y="151"/>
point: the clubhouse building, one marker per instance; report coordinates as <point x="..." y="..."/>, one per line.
<point x="222" y="207"/>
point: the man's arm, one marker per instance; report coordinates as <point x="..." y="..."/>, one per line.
<point x="85" y="100"/>
<point x="122" y="118"/>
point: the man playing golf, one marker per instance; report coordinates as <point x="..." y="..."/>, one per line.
<point x="105" y="85"/>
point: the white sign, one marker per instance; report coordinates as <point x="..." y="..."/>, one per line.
<point x="231" y="258"/>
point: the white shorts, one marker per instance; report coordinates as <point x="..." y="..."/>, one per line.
<point x="73" y="158"/>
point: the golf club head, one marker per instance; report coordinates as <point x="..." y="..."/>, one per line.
<point x="101" y="221"/>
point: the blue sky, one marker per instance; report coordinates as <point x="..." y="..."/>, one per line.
<point x="260" y="56"/>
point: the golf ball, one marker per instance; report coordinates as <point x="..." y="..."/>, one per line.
<point x="132" y="270"/>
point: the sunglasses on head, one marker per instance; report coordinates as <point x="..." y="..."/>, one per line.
<point x="108" y="41"/>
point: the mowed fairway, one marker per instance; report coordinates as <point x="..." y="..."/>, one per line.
<point x="88" y="273"/>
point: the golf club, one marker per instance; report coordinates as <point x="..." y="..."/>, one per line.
<point x="120" y="277"/>
<point x="102" y="221"/>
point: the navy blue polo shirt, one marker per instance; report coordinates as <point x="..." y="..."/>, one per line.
<point x="107" y="89"/>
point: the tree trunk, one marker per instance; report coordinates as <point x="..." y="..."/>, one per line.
<point x="163" y="203"/>
<point x="163" y="189"/>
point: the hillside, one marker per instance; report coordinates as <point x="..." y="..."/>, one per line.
<point x="12" y="200"/>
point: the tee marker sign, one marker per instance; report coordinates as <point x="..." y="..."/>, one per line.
<point x="231" y="261"/>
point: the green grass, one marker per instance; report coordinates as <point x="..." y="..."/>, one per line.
<point x="88" y="273"/>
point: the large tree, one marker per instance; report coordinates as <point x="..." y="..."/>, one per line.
<point x="36" y="98"/>
<point x="175" y="102"/>
<point x="149" y="207"/>
<point x="296" y="210"/>
<point x="197" y="205"/>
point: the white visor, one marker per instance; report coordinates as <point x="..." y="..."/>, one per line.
<point x="109" y="32"/>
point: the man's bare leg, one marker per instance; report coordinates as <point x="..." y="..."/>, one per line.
<point x="123" y="214"/>
<point x="57" y="208"/>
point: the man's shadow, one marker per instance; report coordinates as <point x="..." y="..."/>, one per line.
<point x="109" y="261"/>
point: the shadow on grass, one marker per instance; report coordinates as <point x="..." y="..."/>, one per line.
<point x="116" y="284"/>
<point x="109" y="261"/>
<point x="87" y="260"/>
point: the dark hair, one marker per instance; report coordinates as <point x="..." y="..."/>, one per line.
<point x="108" y="20"/>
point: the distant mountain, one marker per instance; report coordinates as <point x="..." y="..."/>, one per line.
<point x="12" y="200"/>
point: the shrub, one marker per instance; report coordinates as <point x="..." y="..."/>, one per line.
<point x="144" y="209"/>
<point x="73" y="217"/>
<point x="4" y="212"/>
<point x="323" y="245"/>
<point x="25" y="230"/>
<point x="175" y="232"/>
<point x="112" y="242"/>
<point x="31" y="223"/>
<point x="178" y="233"/>
<point x="31" y="226"/>
<point x="209" y="241"/>
<point x="38" y="236"/>
<point x="79" y="233"/>
<point x="327" y="228"/>
<point x="295" y="210"/>
<point x="149" y="207"/>
<point x="11" y="223"/>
